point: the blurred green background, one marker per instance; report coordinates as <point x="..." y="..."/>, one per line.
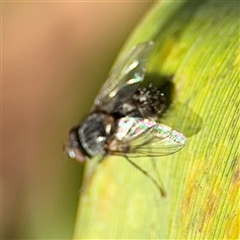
<point x="55" y="56"/>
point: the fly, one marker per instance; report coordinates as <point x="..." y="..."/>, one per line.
<point x="123" y="119"/>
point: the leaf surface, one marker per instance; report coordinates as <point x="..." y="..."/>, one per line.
<point x="197" y="44"/>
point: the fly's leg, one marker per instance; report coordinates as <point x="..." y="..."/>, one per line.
<point x="90" y="170"/>
<point x="161" y="190"/>
<point x="164" y="193"/>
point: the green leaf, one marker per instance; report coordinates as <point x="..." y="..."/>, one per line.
<point x="197" y="45"/>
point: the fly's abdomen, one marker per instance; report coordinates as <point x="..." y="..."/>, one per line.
<point x="146" y="102"/>
<point x="150" y="102"/>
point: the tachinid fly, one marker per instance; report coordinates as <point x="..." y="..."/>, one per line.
<point x="123" y="119"/>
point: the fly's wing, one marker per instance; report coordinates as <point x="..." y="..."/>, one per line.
<point x="138" y="137"/>
<point x="124" y="79"/>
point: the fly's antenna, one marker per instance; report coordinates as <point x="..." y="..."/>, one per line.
<point x="161" y="190"/>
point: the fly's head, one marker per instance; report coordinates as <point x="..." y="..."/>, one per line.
<point x="90" y="137"/>
<point x="73" y="147"/>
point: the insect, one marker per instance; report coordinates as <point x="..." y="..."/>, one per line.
<point x="123" y="119"/>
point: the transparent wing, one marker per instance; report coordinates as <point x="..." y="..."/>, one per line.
<point x="124" y="79"/>
<point x="191" y="123"/>
<point x="138" y="137"/>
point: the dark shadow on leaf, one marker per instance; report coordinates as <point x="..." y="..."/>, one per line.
<point x="177" y="115"/>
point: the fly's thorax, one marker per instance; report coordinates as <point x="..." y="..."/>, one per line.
<point x="94" y="132"/>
